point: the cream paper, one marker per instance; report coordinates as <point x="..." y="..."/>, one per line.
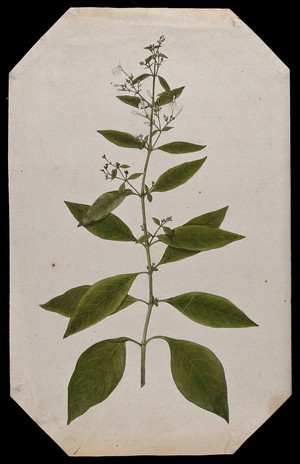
<point x="236" y="100"/>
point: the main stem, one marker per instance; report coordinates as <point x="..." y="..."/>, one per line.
<point x="147" y="244"/>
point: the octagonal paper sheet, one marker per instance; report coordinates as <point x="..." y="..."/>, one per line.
<point x="236" y="101"/>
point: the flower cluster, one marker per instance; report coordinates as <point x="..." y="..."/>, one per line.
<point x="148" y="106"/>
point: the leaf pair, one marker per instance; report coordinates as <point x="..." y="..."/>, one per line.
<point x="126" y="140"/>
<point x="197" y="373"/>
<point x="201" y="233"/>
<point x="89" y="304"/>
<point x="109" y="228"/>
<point x="169" y="95"/>
<point x="199" y="238"/>
<point x="103" y="206"/>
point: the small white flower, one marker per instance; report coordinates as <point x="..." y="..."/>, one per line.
<point x="173" y="104"/>
<point x="138" y="114"/>
<point x="117" y="70"/>
<point x="179" y="111"/>
<point x="142" y="105"/>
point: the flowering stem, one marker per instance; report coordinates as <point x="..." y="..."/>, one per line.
<point x="129" y="183"/>
<point x="147" y="244"/>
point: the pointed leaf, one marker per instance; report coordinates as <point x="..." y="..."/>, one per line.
<point x="122" y="188"/>
<point x="164" y="83"/>
<point x="167" y="128"/>
<point x="134" y="176"/>
<point x="97" y="373"/>
<point x="100" y="301"/>
<point x="156" y="221"/>
<point x="210" y="310"/>
<point x="150" y="58"/>
<point x="211" y="219"/>
<point x="109" y="228"/>
<point x="128" y="301"/>
<point x="114" y="173"/>
<point x="122" y="139"/>
<point x="124" y="166"/>
<point x="140" y="78"/>
<point x="180" y="147"/>
<point x="168" y="97"/>
<point x="101" y="207"/>
<point x="199" y="376"/>
<point x="176" y="254"/>
<point x="168" y="231"/>
<point x="130" y="100"/>
<point x="149" y="197"/>
<point x="66" y="303"/>
<point x="143" y="238"/>
<point x="199" y="238"/>
<point x="178" y="175"/>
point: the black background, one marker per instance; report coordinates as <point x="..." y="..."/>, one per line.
<point x="22" y="24"/>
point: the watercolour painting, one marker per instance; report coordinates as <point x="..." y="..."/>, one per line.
<point x="149" y="262"/>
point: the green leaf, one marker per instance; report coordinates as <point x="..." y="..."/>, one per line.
<point x="100" y="301"/>
<point x="164" y="84"/>
<point x="210" y="310"/>
<point x="130" y="100"/>
<point x="168" y="231"/>
<point x="143" y="238"/>
<point x="109" y="228"/>
<point x="162" y="55"/>
<point x="167" y="128"/>
<point x="211" y="219"/>
<point x="199" y="238"/>
<point x="149" y="197"/>
<point x="136" y="175"/>
<point x="199" y="376"/>
<point x="156" y="221"/>
<point x="102" y="207"/>
<point x="178" y="175"/>
<point x="180" y="147"/>
<point x="175" y="254"/>
<point x="66" y="303"/>
<point x="122" y="188"/>
<point x="140" y="78"/>
<point x="114" y="173"/>
<point x="151" y="57"/>
<point x="124" y="166"/>
<point x="98" y="371"/>
<point x="168" y="97"/>
<point x="128" y="301"/>
<point x="122" y="139"/>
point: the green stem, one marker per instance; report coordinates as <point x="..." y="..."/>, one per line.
<point x="147" y="244"/>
